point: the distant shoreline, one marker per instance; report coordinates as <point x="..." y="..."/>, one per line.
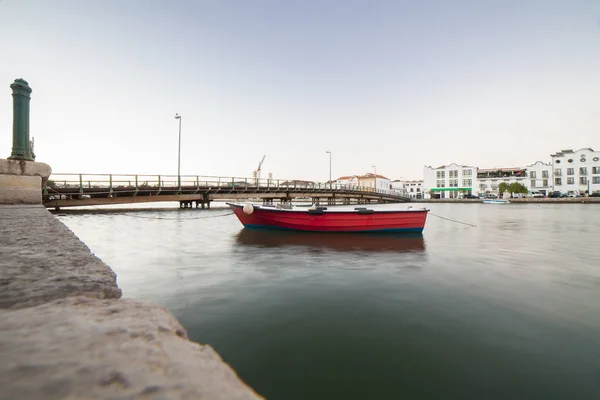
<point x="563" y="200"/>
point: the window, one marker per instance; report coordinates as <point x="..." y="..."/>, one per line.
<point x="494" y="186"/>
<point x="557" y="161"/>
<point x="595" y="170"/>
<point x="570" y="181"/>
<point x="557" y="181"/>
<point x="583" y="171"/>
<point x="467" y="172"/>
<point x="570" y="171"/>
<point x="412" y="190"/>
<point x="418" y="190"/>
<point x="532" y="174"/>
<point x="583" y="180"/>
<point x="482" y="185"/>
<point x="467" y="182"/>
<point x="441" y="183"/>
<point x="533" y="183"/>
<point x="453" y="174"/>
<point x="544" y="174"/>
<point x="596" y="180"/>
<point x="546" y="182"/>
<point x="453" y="183"/>
<point x="558" y="172"/>
<point x="441" y="175"/>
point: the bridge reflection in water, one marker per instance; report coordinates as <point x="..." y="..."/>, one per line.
<point x="369" y="242"/>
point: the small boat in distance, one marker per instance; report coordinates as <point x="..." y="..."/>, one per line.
<point x="322" y="219"/>
<point x="496" y="201"/>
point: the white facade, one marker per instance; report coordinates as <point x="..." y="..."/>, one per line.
<point x="540" y="178"/>
<point x="350" y="180"/>
<point x="399" y="188"/>
<point x="449" y="181"/>
<point x="489" y="179"/>
<point x="576" y="170"/>
<point x="412" y="189"/>
<point x="373" y="181"/>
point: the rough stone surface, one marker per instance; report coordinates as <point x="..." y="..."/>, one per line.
<point x="82" y="348"/>
<point x="42" y="260"/>
<point x="20" y="189"/>
<point x="22" y="167"/>
<point x="66" y="334"/>
<point x="21" y="181"/>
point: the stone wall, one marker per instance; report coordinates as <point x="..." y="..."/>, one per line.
<point x="21" y="181"/>
<point x="65" y="332"/>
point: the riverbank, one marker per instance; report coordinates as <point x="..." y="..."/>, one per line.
<point x="65" y="332"/>
<point x="565" y="200"/>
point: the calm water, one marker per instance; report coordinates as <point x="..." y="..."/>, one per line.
<point x="509" y="309"/>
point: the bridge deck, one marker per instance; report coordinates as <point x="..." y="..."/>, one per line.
<point x="117" y="190"/>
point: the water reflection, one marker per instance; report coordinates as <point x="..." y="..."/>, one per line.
<point x="333" y="241"/>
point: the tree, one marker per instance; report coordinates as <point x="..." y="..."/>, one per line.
<point x="516" y="187"/>
<point x="502" y="187"/>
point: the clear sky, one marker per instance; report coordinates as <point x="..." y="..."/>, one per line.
<point x="396" y="84"/>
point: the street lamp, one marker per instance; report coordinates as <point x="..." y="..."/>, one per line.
<point x="329" y="166"/>
<point x="374" y="176"/>
<point x="177" y="116"/>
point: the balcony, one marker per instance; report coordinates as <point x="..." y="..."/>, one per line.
<point x="501" y="173"/>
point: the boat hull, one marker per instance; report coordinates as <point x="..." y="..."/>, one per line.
<point x="493" y="201"/>
<point x="404" y="221"/>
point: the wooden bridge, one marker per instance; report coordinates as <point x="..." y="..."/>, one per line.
<point x="70" y="190"/>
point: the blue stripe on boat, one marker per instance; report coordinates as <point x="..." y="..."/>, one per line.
<point x="391" y="230"/>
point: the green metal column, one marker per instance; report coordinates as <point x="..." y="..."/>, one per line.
<point x="21" y="149"/>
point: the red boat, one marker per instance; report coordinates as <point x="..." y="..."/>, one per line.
<point x="322" y="219"/>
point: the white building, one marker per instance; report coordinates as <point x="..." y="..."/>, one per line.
<point x="348" y="180"/>
<point x="375" y="181"/>
<point x="399" y="188"/>
<point x="449" y="181"/>
<point x="540" y="177"/>
<point x="488" y="179"/>
<point x="576" y="170"/>
<point x="412" y="189"/>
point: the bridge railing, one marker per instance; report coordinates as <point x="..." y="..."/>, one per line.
<point x="61" y="184"/>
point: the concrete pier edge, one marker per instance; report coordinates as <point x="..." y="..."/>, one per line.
<point x="65" y="332"/>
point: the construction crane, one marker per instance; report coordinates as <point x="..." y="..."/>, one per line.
<point x="256" y="173"/>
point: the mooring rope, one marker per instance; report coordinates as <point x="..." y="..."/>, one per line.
<point x="453" y="220"/>
<point x="128" y="213"/>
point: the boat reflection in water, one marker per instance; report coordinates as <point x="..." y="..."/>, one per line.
<point x="338" y="241"/>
